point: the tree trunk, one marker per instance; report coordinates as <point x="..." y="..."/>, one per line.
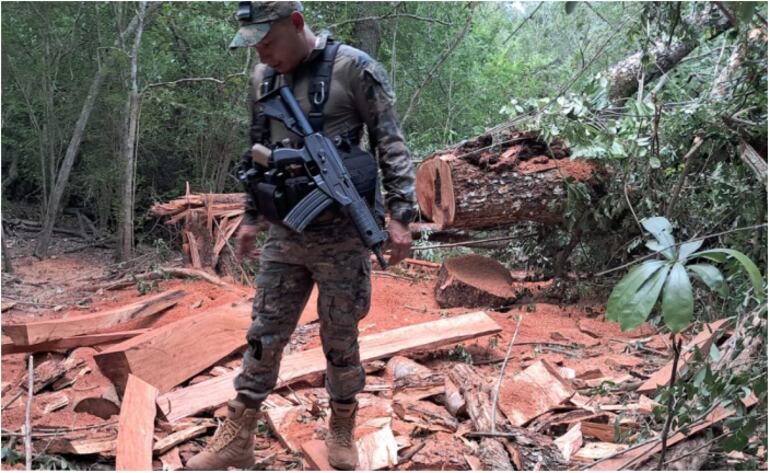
<point x="519" y="179"/>
<point x="54" y="200"/>
<point x="367" y="34"/>
<point x="126" y="233"/>
<point x="7" y="266"/>
<point x="624" y="75"/>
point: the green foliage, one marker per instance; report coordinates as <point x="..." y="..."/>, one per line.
<point x="634" y="297"/>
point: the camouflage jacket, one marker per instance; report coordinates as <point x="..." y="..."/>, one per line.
<point x="360" y="94"/>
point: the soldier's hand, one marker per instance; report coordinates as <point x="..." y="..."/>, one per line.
<point x="246" y="242"/>
<point x="399" y="241"/>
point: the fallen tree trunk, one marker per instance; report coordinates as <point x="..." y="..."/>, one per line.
<point x="491" y="182"/>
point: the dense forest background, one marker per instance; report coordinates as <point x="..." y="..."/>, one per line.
<point x="109" y="107"/>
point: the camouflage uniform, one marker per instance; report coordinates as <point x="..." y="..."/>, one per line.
<point x="329" y="252"/>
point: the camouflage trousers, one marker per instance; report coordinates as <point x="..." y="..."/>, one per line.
<point x="332" y="256"/>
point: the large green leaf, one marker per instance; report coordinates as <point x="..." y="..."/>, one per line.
<point x="635" y="312"/>
<point x="677" y="303"/>
<point x="569" y="7"/>
<point x="710" y="276"/>
<point x="686" y="249"/>
<point x="625" y="289"/>
<point x="718" y="254"/>
<point x="661" y="230"/>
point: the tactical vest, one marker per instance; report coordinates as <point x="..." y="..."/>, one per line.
<point x="280" y="191"/>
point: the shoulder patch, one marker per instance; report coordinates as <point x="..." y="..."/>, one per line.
<point x="380" y="76"/>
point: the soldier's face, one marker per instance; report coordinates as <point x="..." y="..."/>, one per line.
<point x="282" y="48"/>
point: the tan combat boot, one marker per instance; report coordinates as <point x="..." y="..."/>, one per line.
<point x="233" y="442"/>
<point x="340" y="442"/>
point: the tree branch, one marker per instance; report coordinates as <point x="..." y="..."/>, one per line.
<point x="390" y="16"/>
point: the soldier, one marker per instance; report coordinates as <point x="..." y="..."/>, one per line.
<point x="341" y="89"/>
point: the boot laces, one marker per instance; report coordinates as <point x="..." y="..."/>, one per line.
<point x="342" y="430"/>
<point x="225" y="434"/>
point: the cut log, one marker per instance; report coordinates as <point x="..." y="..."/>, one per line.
<point x="492" y="453"/>
<point x="296" y="366"/>
<point x="482" y="185"/>
<point x="474" y="281"/>
<point x="72" y="342"/>
<point x="178" y="351"/>
<point x="701" y="342"/>
<point x="453" y="399"/>
<point x="38" y="332"/>
<point x="532" y="392"/>
<point x="135" y="427"/>
<point x="105" y="404"/>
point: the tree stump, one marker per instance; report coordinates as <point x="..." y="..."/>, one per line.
<point x="474" y="281"/>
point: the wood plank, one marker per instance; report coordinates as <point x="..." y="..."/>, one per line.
<point x="426" y="336"/>
<point x="32" y="333"/>
<point x="104" y="446"/>
<point x="280" y="420"/>
<point x="570" y="442"/>
<point x="171" y="354"/>
<point x="170" y="441"/>
<point x="533" y="392"/>
<point x="376" y="451"/>
<point x="135" y="427"/>
<point x="702" y="342"/>
<point x="171" y="460"/>
<point x="72" y="342"/>
<point x="315" y="455"/>
<point x="636" y="457"/>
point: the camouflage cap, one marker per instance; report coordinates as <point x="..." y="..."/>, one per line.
<point x="254" y="26"/>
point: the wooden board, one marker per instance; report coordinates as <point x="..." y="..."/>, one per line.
<point x="135" y="427"/>
<point x="315" y="454"/>
<point x="376" y="451"/>
<point x="702" y="342"/>
<point x="32" y="333"/>
<point x="169" y="355"/>
<point x="214" y="392"/>
<point x="532" y="392"/>
<point x="71" y="342"/>
<point x="170" y="441"/>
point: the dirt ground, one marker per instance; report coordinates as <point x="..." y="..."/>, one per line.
<point x="572" y="336"/>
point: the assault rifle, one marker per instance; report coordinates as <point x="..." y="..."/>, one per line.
<point x="324" y="166"/>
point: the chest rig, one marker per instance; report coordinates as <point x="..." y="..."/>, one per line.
<point x="283" y="186"/>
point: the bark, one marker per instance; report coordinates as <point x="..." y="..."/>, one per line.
<point x="520" y="179"/>
<point x="54" y="200"/>
<point x="7" y="265"/>
<point x="126" y="234"/>
<point x="624" y="75"/>
<point x="367" y="34"/>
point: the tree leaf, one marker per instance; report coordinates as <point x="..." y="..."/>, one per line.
<point x="686" y="249"/>
<point x="751" y="269"/>
<point x="635" y="312"/>
<point x="660" y="228"/>
<point x="677" y="303"/>
<point x="625" y="289"/>
<point x="710" y="276"/>
<point x="569" y="7"/>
